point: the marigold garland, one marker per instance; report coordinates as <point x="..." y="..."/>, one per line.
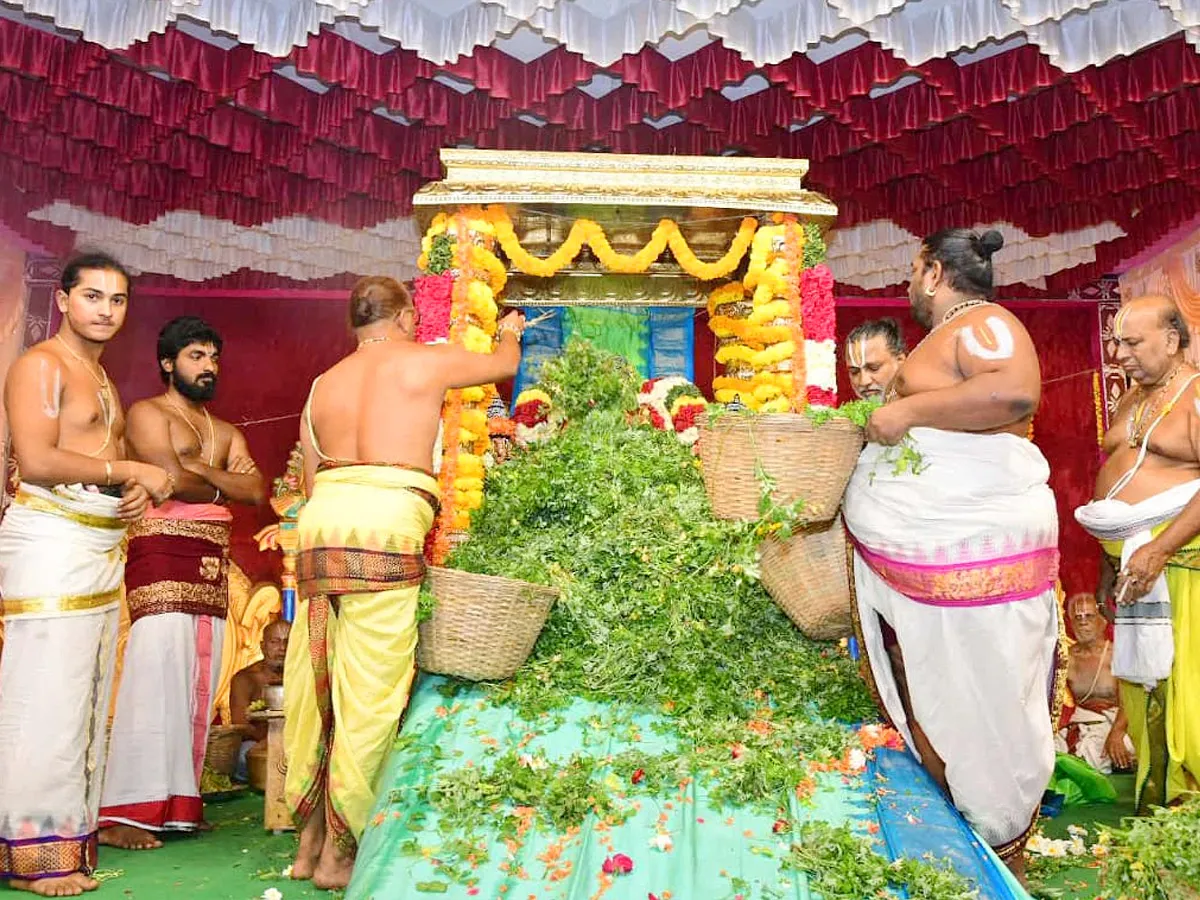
<point x="1098" y="403"/>
<point x="793" y="249"/>
<point x="585" y="231"/>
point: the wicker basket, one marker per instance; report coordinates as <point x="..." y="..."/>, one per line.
<point x="483" y="627"/>
<point x="806" y="575"/>
<point x="224" y="742"/>
<point x="808" y="462"/>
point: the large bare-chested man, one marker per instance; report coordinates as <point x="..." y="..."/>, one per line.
<point x="367" y="434"/>
<point x="60" y="579"/>
<point x="1147" y="516"/>
<point x="177" y="590"/>
<point x="956" y="556"/>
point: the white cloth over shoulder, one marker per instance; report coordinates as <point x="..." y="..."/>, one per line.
<point x="1143" y="638"/>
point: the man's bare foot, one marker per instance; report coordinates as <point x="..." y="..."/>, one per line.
<point x="312" y="838"/>
<point x="1016" y="865"/>
<point x="128" y="838"/>
<point x="67" y="886"/>
<point x="334" y="870"/>
<point x="204" y="826"/>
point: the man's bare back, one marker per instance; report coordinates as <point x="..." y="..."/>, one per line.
<point x="381" y="404"/>
<point x="1173" y="453"/>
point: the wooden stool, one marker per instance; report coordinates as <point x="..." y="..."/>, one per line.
<point x="276" y="817"/>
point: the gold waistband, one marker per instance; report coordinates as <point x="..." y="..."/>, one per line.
<point x="51" y="606"/>
<point x="41" y="504"/>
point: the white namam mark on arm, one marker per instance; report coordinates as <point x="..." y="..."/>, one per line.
<point x="50" y="387"/>
<point x="993" y="341"/>
<point x="1196" y="404"/>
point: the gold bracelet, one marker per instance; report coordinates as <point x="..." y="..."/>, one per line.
<point x="512" y="329"/>
<point x="107" y="472"/>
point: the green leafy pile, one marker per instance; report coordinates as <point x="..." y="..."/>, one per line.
<point x="843" y="866"/>
<point x="661" y="606"/>
<point x="1155" y="858"/>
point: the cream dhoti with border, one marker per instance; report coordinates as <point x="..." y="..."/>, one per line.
<point x="178" y="591"/>
<point x="61" y="565"/>
<point x="961" y="561"/>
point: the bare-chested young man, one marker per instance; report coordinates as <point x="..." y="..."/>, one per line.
<point x="1147" y="517"/>
<point x="367" y="434"/>
<point x="874" y="352"/>
<point x="177" y="590"/>
<point x="956" y="552"/>
<point x="60" y="579"/>
<point x="1098" y="729"/>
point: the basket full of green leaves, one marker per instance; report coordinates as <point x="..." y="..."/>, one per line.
<point x="807" y="456"/>
<point x="806" y="573"/>
<point x="482" y="627"/>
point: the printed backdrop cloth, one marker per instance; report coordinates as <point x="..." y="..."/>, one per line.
<point x="60" y="576"/>
<point x="961" y="561"/>
<point x="177" y="593"/>
<point x="351" y="652"/>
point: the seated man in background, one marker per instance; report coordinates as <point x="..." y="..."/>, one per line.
<point x="874" y="352"/>
<point x="1096" y="732"/>
<point x="249" y="686"/>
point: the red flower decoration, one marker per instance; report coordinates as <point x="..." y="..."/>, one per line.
<point x="737" y="750"/>
<point x="819" y="396"/>
<point x="617" y="864"/>
<point x="657" y="420"/>
<point x="638" y="776"/>
<point x="687" y="416"/>
<point x="816" y="304"/>
<point x="647" y="385"/>
<point x="781" y="826"/>
<point x="432" y="295"/>
<point x="530" y="413"/>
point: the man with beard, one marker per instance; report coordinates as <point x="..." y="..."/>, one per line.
<point x="956" y="548"/>
<point x="874" y="352"/>
<point x="177" y="593"/>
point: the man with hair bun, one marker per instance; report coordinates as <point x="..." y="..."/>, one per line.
<point x="1147" y="517"/>
<point x="874" y="352"/>
<point x="956" y="548"/>
<point x="177" y="591"/>
<point x="367" y="435"/>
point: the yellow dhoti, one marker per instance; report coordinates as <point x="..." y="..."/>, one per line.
<point x="1163" y="725"/>
<point x="351" y="653"/>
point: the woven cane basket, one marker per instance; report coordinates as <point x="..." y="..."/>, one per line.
<point x="806" y="575"/>
<point x="483" y="628"/>
<point x="812" y="463"/>
<point x="221" y="754"/>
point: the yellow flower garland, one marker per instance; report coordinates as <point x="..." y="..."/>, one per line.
<point x="1098" y="402"/>
<point x="585" y="231"/>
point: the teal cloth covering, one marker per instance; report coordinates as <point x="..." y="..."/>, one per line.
<point x="620" y="330"/>
<point x="716" y="853"/>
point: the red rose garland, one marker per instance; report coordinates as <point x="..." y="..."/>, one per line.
<point x="433" y="296"/>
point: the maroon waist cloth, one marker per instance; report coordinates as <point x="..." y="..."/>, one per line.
<point x="178" y="565"/>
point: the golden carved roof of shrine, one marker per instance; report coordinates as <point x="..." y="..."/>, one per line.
<point x="611" y="179"/>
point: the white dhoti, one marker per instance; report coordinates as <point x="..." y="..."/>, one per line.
<point x="1086" y="736"/>
<point x="177" y="591"/>
<point x="61" y="565"/>
<point x="961" y="561"/>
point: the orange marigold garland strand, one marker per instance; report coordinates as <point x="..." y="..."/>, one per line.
<point x="1098" y="403"/>
<point x="793" y="248"/>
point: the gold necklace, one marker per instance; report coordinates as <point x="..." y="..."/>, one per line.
<point x="104" y="394"/>
<point x="374" y="340"/>
<point x="958" y="309"/>
<point x="1138" y="416"/>
<point x="212" y="437"/>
